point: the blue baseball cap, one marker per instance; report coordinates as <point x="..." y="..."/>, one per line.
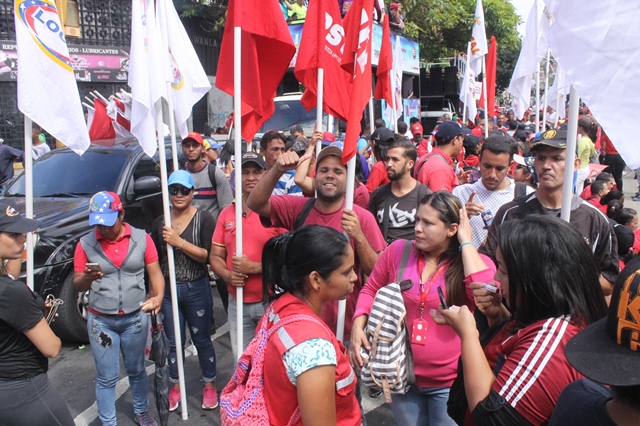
<point x="181" y="177"/>
<point x="104" y="208"/>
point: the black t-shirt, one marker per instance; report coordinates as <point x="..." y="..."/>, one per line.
<point x="20" y="310"/>
<point x="401" y="210"/>
<point x="198" y="232"/>
<point x="582" y="403"/>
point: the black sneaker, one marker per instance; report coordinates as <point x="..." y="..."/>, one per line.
<point x="145" y="419"/>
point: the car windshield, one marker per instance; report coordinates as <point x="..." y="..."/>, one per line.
<point x="290" y="113"/>
<point x="67" y="174"/>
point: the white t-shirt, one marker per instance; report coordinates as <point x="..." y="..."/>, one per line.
<point x="491" y="200"/>
<point x="39" y="150"/>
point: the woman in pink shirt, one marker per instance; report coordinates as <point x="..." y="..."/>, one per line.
<point x="442" y="256"/>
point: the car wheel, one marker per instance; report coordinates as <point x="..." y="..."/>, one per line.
<point x="71" y="323"/>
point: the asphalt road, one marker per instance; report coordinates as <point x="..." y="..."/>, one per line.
<point x="73" y="374"/>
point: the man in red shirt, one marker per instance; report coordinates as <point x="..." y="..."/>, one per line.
<point x="436" y="169"/>
<point x="422" y="144"/>
<point x="613" y="159"/>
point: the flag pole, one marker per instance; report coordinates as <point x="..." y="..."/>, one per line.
<point x="162" y="158"/>
<point x="486" y="95"/>
<point x="572" y="133"/>
<point x="351" y="178"/>
<point x="537" y="68"/>
<point x="172" y="127"/>
<point x="237" y="117"/>
<point x="546" y="90"/>
<point x="28" y="193"/>
<point x="319" y="105"/>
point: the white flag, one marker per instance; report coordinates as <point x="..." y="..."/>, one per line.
<point x="47" y="88"/>
<point x="597" y="47"/>
<point x="559" y="90"/>
<point x="146" y="81"/>
<point x="479" y="46"/>
<point x="188" y="79"/>
<point x="396" y="79"/>
<point x="520" y="85"/>
<point x="468" y="88"/>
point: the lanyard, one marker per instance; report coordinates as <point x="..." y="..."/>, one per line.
<point x="432" y="279"/>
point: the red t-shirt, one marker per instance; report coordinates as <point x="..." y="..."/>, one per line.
<point x="437" y="173"/>
<point x="533" y="369"/>
<point x="284" y="212"/>
<point x="586" y="193"/>
<point x="378" y="176"/>
<point x="423" y="147"/>
<point x="116" y="251"/>
<point x="636" y="241"/>
<point x="255" y="236"/>
<point x="361" y="196"/>
<point x="609" y="149"/>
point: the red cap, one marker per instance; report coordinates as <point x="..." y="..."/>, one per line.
<point x="328" y="137"/>
<point x="194" y="136"/>
<point x="393" y="5"/>
<point x="417" y="128"/>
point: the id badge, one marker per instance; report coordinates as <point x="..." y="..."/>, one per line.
<point x="419" y="332"/>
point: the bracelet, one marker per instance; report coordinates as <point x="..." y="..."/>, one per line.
<point x="464" y="244"/>
<point x="183" y="243"/>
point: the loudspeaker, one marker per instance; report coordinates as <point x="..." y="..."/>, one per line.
<point x="450" y="81"/>
<point x="435" y="81"/>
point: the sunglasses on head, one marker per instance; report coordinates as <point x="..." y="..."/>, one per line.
<point x="174" y="189"/>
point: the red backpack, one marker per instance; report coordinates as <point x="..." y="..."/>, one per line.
<point x="242" y="401"/>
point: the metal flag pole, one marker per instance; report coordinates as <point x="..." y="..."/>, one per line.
<point x="237" y="114"/>
<point x="172" y="127"/>
<point x="319" y="105"/>
<point x="546" y="90"/>
<point x="572" y="136"/>
<point x="486" y="95"/>
<point x="28" y="193"/>
<point x="537" y="111"/>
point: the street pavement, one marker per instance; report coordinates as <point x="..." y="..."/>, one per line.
<point x="73" y="373"/>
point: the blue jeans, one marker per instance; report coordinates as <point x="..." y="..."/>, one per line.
<point x="251" y="316"/>
<point x="195" y="305"/>
<point x="422" y="406"/>
<point x="111" y="335"/>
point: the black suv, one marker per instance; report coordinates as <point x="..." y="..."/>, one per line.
<point x="63" y="183"/>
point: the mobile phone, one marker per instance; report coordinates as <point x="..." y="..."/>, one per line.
<point x="94" y="267"/>
<point x="442" y="301"/>
<point x="490" y="288"/>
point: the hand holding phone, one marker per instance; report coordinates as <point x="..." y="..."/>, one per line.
<point x="93" y="267"/>
<point x="443" y="302"/>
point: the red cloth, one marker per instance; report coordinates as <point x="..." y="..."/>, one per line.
<point x="586" y="193"/>
<point x="320" y="48"/>
<point x="116" y="251"/>
<point x="423" y="148"/>
<point x="357" y="60"/>
<point x="225" y="236"/>
<point x="281" y="395"/>
<point x="361" y="196"/>
<point x="636" y="241"/>
<point x="491" y="76"/>
<point x="267" y="51"/>
<point x="469" y="161"/>
<point x="385" y="66"/>
<point x="477" y="131"/>
<point x="378" y="176"/>
<point x="101" y="127"/>
<point x="609" y="149"/>
<point x="437" y="174"/>
<point x="595" y="201"/>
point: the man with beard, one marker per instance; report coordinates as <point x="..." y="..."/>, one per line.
<point x="395" y="204"/>
<point x="291" y="212"/>
<point x="550" y="151"/>
<point x="484" y="197"/>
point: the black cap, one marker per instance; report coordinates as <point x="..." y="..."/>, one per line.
<point x="382" y="135"/>
<point x="252" y="157"/>
<point x="12" y="221"/>
<point x="553" y="138"/>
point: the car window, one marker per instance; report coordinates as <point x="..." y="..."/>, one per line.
<point x="65" y="173"/>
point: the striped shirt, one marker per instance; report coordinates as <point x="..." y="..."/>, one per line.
<point x="286" y="185"/>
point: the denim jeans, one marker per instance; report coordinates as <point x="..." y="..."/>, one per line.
<point x="111" y="335"/>
<point x="422" y="406"/>
<point x="251" y="315"/>
<point x="195" y="305"/>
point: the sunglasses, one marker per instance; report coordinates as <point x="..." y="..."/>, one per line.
<point x="173" y="190"/>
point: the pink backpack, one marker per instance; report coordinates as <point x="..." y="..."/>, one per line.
<point x="242" y="401"/>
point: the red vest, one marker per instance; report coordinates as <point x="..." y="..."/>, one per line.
<point x="280" y="393"/>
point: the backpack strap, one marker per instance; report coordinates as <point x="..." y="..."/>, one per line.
<point x="419" y="166"/>
<point x="212" y="175"/>
<point x="520" y="190"/>
<point x="304" y="213"/>
<point x="406" y="252"/>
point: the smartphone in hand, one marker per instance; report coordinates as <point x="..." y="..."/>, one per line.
<point x="443" y="302"/>
<point x="94" y="267"/>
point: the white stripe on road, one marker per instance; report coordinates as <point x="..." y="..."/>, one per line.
<point x="91" y="413"/>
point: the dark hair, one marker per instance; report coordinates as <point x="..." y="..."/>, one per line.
<point x="288" y="259"/>
<point x="269" y="136"/>
<point x="414" y="120"/>
<point x="597" y="186"/>
<point x="614" y="194"/>
<point x="379" y="122"/>
<point x="380" y="149"/>
<point x="229" y="150"/>
<point x="499" y="145"/>
<point x="207" y="129"/>
<point x="402" y="127"/>
<point x="409" y="150"/>
<point x="290" y="141"/>
<point x="613" y="208"/>
<point x="470" y="145"/>
<point x="589" y="126"/>
<point x="605" y="176"/>
<point x="448" y="207"/>
<point x="625" y="216"/>
<point x="551" y="270"/>
<point x="296" y="129"/>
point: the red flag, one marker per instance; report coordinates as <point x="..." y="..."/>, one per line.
<point x="491" y="76"/>
<point x="322" y="41"/>
<point x="385" y="66"/>
<point x="101" y="127"/>
<point x="357" y="60"/>
<point x="267" y="49"/>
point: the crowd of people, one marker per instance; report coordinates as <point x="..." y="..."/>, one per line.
<point x="499" y="286"/>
